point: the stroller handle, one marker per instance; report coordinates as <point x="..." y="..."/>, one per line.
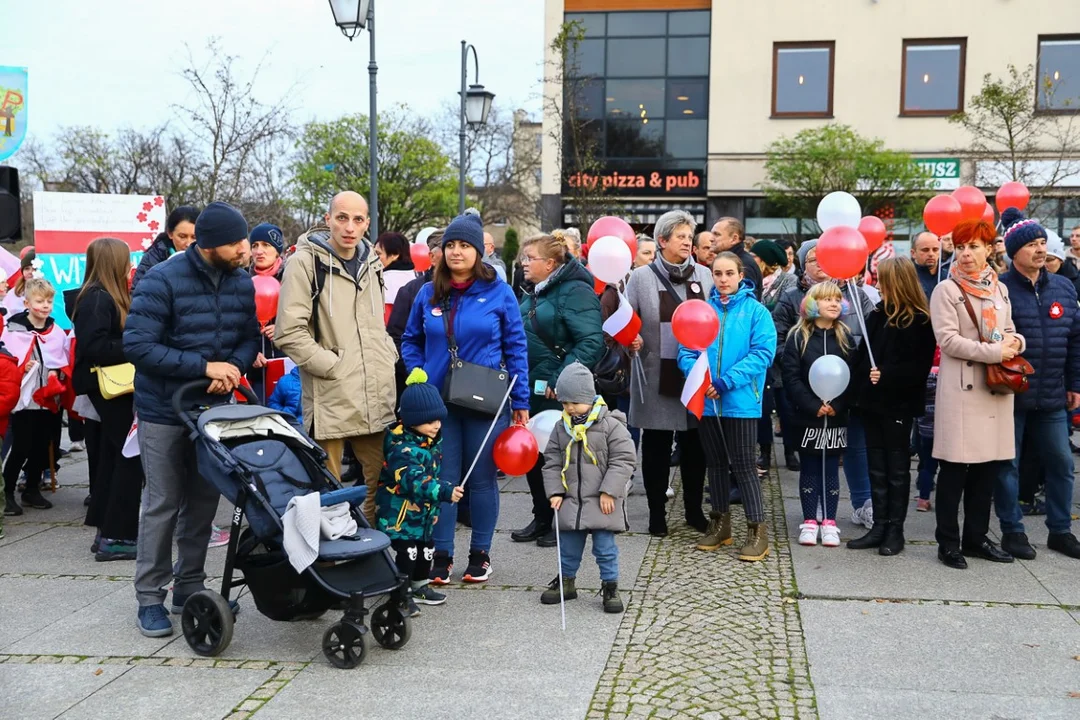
<point x="202" y="385"/>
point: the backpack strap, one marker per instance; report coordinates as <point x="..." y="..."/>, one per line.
<point x="970" y="310"/>
<point x="560" y="352"/>
<point x="318" y="282"/>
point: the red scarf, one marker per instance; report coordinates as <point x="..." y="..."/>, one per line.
<point x="272" y="271"/>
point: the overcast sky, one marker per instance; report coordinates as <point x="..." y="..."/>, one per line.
<point x="115" y="63"/>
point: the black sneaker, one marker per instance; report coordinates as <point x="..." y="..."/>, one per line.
<point x="1064" y="543"/>
<point x="479" y="567"/>
<point x="36" y="500"/>
<point x="427" y="595"/>
<point x="441" y="566"/>
<point x="12" y="508"/>
<point x="96" y="545"/>
<point x="414" y="609"/>
<point x="109" y="550"/>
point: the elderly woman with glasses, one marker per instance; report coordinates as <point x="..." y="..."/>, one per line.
<point x="655" y="290"/>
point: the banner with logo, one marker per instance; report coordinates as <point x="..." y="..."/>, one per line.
<point x="66" y="223"/>
<point x="12" y="109"/>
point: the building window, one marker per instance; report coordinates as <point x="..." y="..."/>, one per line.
<point x="932" y="78"/>
<point x="803" y="79"/>
<point x="1058" y="73"/>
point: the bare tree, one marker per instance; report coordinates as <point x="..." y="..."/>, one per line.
<point x="1013" y="139"/>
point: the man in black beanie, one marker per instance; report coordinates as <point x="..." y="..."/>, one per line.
<point x="192" y="317"/>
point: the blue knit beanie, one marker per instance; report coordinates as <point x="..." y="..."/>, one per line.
<point x="219" y="224"/>
<point x="269" y="234"/>
<point x="1019" y="231"/>
<point x="421" y="402"/>
<point x="468" y="228"/>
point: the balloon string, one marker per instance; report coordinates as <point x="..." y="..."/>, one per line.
<point x="491" y="428"/>
<point x="824" y="464"/>
<point x="862" y="323"/>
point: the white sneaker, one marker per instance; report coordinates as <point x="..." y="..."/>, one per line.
<point x="808" y="532"/>
<point x="77" y="446"/>
<point x="830" y="534"/>
<point x="864" y="516"/>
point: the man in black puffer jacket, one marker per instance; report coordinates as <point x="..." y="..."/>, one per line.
<point x="1044" y="308"/>
<point x="192" y="317"/>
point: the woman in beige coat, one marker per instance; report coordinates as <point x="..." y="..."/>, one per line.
<point x="973" y="430"/>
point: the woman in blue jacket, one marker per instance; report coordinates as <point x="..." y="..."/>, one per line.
<point x="739" y="359"/>
<point x="467" y="295"/>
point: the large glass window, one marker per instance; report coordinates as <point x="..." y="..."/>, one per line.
<point x="588" y="59"/>
<point x="803" y="79"/>
<point x="635" y="138"/>
<point x="1059" y="73"/>
<point x="638" y="24"/>
<point x="932" y="81"/>
<point x="641" y="57"/>
<point x="594" y="24"/>
<point x="688" y="56"/>
<point x="642" y="99"/>
<point x="687" y="98"/>
<point x="685" y="138"/>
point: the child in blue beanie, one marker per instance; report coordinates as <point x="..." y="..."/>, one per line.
<point x="409" y="492"/>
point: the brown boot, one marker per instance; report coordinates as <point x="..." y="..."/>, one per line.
<point x="718" y="533"/>
<point x="757" y="542"/>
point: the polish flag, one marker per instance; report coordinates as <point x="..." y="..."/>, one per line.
<point x="10" y="267"/>
<point x="697" y="382"/>
<point x="624" y="324"/>
<point x="131" y="444"/>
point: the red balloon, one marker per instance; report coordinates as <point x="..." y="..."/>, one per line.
<point x="873" y="230"/>
<point x="267" y="290"/>
<point x="988" y="214"/>
<point x="617" y="227"/>
<point x="421" y="256"/>
<point x="972" y="201"/>
<point x="515" y="450"/>
<point x="1012" y="195"/>
<point x="942" y="213"/>
<point x="695" y="324"/>
<point x="842" y="252"/>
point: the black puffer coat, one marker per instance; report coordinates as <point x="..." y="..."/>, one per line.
<point x="904" y="357"/>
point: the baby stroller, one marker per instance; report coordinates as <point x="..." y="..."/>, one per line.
<point x="259" y="459"/>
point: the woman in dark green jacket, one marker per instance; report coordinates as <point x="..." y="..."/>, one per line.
<point x="563" y="326"/>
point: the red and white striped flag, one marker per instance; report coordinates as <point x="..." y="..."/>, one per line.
<point x="10" y="267"/>
<point x="697" y="382"/>
<point x="624" y="324"/>
<point x="131" y="444"/>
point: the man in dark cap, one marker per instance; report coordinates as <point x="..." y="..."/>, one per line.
<point x="192" y="317"/>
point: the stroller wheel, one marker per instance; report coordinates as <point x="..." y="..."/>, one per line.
<point x="390" y="626"/>
<point x="207" y="622"/>
<point x="344" y="646"/>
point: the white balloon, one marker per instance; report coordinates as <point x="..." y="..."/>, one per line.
<point x="838" y="208"/>
<point x="541" y="425"/>
<point x="609" y="259"/>
<point x="829" y="377"/>
<point x="423" y="235"/>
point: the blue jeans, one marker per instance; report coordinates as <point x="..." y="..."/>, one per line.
<point x="1049" y="440"/>
<point x="856" y="471"/>
<point x="927" y="467"/>
<point x="604" y="550"/>
<point x="462" y="433"/>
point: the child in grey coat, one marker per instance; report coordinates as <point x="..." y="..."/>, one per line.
<point x="587" y="467"/>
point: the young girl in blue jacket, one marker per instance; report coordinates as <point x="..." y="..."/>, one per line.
<point x="466" y="295"/>
<point x="739" y="359"/>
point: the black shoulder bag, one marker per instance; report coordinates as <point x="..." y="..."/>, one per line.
<point x="468" y="385"/>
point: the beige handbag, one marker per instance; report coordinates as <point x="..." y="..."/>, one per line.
<point x="115" y="380"/>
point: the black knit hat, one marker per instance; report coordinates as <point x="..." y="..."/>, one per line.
<point x="421" y="402"/>
<point x="467" y="228"/>
<point x="220" y="224"/>
<point x="770" y="253"/>
<point x="269" y="234"/>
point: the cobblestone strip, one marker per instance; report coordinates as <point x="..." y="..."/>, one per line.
<point x="707" y="636"/>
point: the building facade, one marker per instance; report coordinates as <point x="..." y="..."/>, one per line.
<point x="687" y="94"/>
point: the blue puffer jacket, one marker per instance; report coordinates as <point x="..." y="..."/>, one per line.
<point x="1047" y="316"/>
<point x="487" y="328"/>
<point x="287" y="396"/>
<point x="179" y="321"/>
<point x="740" y="356"/>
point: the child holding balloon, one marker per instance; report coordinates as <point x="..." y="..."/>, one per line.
<point x="816" y="375"/>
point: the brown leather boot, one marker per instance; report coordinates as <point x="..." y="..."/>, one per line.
<point x="718" y="533"/>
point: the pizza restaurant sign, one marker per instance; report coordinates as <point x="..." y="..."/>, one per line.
<point x="646" y="182"/>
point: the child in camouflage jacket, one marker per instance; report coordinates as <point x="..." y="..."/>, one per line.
<point x="409" y="493"/>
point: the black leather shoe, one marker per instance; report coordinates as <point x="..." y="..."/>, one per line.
<point x="791" y="458"/>
<point x="529" y="533"/>
<point x="894" y="540"/>
<point x="987" y="551"/>
<point x="952" y="558"/>
<point x="547" y="539"/>
<point x="871" y="539"/>
<point x="1064" y="543"/>
<point x="1017" y="545"/>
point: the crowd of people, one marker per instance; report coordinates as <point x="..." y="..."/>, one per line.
<point x="384" y="357"/>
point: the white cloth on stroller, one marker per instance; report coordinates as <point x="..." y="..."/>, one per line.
<point x="305" y="521"/>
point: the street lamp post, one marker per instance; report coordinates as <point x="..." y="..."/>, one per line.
<point x="475" y="105"/>
<point x="352" y="16"/>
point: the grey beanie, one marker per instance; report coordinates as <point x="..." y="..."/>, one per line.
<point x="805" y="248"/>
<point x="576" y="385"/>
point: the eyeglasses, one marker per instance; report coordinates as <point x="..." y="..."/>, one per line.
<point x="533" y="258"/>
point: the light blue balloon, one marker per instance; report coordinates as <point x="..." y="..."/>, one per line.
<point x="829" y="377"/>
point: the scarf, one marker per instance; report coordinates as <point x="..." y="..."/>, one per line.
<point x="577" y="432"/>
<point x="678" y="274"/>
<point x="272" y="271"/>
<point x="982" y="285"/>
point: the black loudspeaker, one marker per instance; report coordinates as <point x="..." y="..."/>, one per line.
<point x="10" y="208"/>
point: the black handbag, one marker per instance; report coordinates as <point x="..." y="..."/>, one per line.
<point x="468" y="385"/>
<point x="612" y="373"/>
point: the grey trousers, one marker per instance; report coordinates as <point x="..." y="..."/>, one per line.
<point x="176" y="501"/>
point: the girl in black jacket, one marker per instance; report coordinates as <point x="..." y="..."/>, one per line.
<point x="100" y="311"/>
<point x="823" y="425"/>
<point x="890" y="395"/>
